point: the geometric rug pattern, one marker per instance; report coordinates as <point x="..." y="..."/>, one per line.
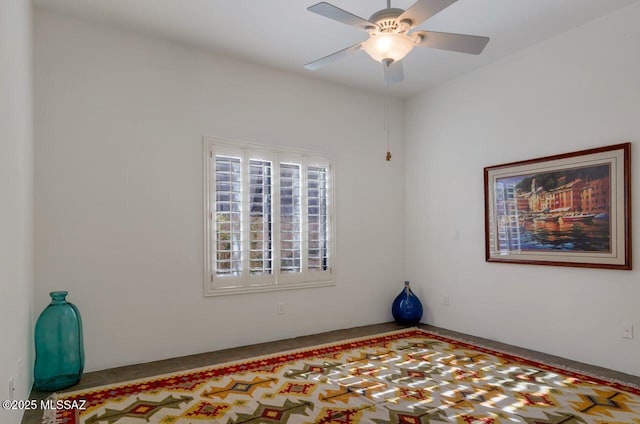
<point x="410" y="377"/>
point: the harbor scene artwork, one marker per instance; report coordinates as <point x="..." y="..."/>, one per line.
<point x="570" y="209"/>
<point x="565" y="210"/>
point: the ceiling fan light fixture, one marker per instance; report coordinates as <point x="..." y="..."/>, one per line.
<point x="388" y="45"/>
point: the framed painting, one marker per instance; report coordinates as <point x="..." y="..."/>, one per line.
<point x="572" y="209"/>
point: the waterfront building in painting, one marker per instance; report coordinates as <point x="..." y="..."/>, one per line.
<point x="523" y="201"/>
<point x="566" y="197"/>
<point x="575" y="196"/>
<point x="595" y="196"/>
<point x="537" y="200"/>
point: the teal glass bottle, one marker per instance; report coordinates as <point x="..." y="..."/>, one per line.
<point x="59" y="345"/>
<point x="407" y="308"/>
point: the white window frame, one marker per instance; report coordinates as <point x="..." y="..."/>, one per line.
<point x="246" y="283"/>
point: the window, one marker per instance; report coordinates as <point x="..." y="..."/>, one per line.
<point x="269" y="219"/>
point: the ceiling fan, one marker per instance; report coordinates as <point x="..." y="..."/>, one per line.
<point x="389" y="38"/>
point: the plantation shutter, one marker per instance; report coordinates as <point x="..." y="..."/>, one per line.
<point x="227" y="218"/>
<point x="317" y="219"/>
<point x="270" y="221"/>
<point x="260" y="218"/>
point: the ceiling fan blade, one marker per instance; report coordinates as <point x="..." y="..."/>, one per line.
<point x="332" y="12"/>
<point x="393" y="72"/>
<point x="471" y="44"/>
<point x="422" y="10"/>
<point x="317" y="64"/>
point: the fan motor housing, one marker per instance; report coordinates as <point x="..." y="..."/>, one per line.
<point x="386" y="19"/>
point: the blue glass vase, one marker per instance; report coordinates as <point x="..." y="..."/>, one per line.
<point x="407" y="309"/>
<point x="59" y="345"/>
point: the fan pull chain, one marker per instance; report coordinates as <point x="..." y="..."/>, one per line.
<point x="386" y="126"/>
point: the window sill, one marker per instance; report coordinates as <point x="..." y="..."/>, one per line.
<point x="266" y="288"/>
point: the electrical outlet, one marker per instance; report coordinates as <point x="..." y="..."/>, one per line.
<point x="446" y="301"/>
<point x="12" y="388"/>
<point x="281" y="308"/>
<point x="627" y="331"/>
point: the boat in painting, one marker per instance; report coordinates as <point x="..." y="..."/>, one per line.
<point x="580" y="217"/>
<point x="546" y="218"/>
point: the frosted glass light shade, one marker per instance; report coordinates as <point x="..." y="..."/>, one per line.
<point x="388" y="45"/>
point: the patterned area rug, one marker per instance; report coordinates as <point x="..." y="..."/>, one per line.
<point x="408" y="377"/>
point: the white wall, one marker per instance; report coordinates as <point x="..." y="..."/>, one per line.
<point x="576" y="91"/>
<point x="16" y="206"/>
<point x="119" y="121"/>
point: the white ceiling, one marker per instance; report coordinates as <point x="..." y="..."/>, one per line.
<point x="282" y="34"/>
